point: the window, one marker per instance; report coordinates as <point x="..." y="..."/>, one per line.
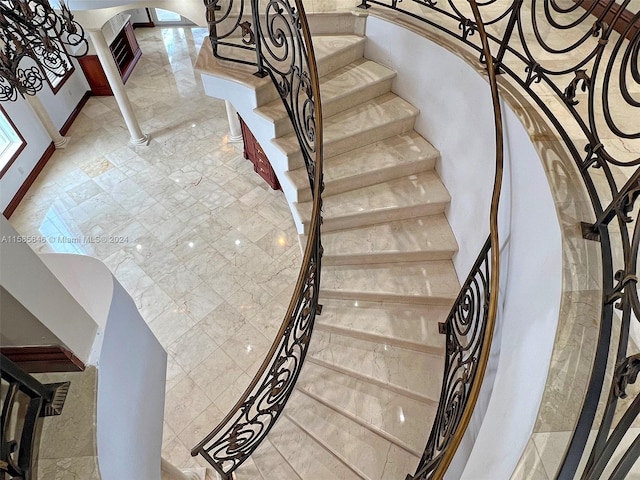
<point x="11" y="142"/>
<point x="56" y="78"/>
<point x="166" y="17"/>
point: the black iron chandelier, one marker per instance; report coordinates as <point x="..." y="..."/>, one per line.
<point x="34" y="41"/>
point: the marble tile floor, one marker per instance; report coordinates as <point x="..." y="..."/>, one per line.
<point x="206" y="249"/>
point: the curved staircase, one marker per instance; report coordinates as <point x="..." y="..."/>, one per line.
<point x="368" y="391"/>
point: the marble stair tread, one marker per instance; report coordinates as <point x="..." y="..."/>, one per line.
<point x="409" y="240"/>
<point x="341" y="89"/>
<point x="379" y="118"/>
<point x="423" y="283"/>
<point x="390" y="158"/>
<point x="310" y="459"/>
<point x="372" y="455"/>
<point x="403" y="421"/>
<point x="332" y="52"/>
<point x="409" y="326"/>
<point x="247" y="471"/>
<point x="271" y="464"/>
<point x="415" y="195"/>
<point x="417" y="375"/>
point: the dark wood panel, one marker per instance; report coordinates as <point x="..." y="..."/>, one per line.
<point x="43" y="359"/>
<point x="625" y="19"/>
<point x="254" y="153"/>
<point x="94" y="73"/>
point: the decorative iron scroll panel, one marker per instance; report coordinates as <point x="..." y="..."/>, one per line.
<point x="24" y="401"/>
<point x="280" y="42"/>
<point x="580" y="64"/>
<point x="33" y="39"/>
<point x="465" y="329"/>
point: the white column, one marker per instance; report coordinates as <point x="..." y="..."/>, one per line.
<point x="58" y="140"/>
<point x="117" y="87"/>
<point x="235" y="134"/>
<point x="171" y="472"/>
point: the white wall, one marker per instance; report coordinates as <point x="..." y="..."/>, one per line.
<point x="131" y="370"/>
<point x="446" y="90"/>
<point x="30" y="282"/>
<point x="90" y="17"/>
<point x="456" y="115"/>
<point x="18" y="326"/>
<point x="138" y="15"/>
<point x="38" y="141"/>
<point x="131" y="392"/>
<point x="59" y="106"/>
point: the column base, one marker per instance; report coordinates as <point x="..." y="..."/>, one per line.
<point x="140" y="142"/>
<point x="234" y="138"/>
<point x="62" y="143"/>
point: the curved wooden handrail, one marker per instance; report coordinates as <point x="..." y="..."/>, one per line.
<point x="254" y="414"/>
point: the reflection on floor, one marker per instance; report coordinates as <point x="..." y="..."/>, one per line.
<point x="207" y="250"/>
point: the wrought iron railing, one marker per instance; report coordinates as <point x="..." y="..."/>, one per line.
<point x="278" y="42"/>
<point x="580" y="58"/>
<point x="24" y="401"/>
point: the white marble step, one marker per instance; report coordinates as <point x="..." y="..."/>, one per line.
<point x="379" y="118"/>
<point x="403" y="421"/>
<point x="247" y="471"/>
<point x="408" y="326"/>
<point x="417" y="375"/>
<point x="368" y="453"/>
<point x="271" y="465"/>
<point x="340" y="90"/>
<point x="410" y="240"/>
<point x="310" y="459"/>
<point x="416" y="195"/>
<point x="377" y="162"/>
<point x="417" y="283"/>
<point x="332" y="53"/>
<point x="336" y="51"/>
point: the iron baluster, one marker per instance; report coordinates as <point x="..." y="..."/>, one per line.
<point x="16" y="457"/>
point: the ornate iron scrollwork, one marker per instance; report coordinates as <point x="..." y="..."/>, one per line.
<point x="465" y="329"/>
<point x="282" y="44"/>
<point x="34" y="400"/>
<point x="31" y="29"/>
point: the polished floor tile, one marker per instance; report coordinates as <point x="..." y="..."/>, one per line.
<point x="191" y="241"/>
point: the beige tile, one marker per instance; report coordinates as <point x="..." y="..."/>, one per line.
<point x="183" y="404"/>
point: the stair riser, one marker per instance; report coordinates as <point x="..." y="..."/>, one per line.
<point x="372" y="337"/>
<point x="370" y="178"/>
<point x="368" y="259"/>
<point x="333" y="106"/>
<point x="345" y="143"/>
<point x="395" y="388"/>
<point x="340" y="59"/>
<point x="359" y="421"/>
<point x="387" y="297"/>
<point x="375" y="217"/>
<point x="267" y="92"/>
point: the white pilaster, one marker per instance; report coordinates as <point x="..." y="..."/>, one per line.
<point x="117" y="87"/>
<point x="235" y="134"/>
<point x="58" y="140"/>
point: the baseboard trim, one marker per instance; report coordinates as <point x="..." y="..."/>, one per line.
<point x="43" y="359"/>
<point x="143" y="25"/>
<point x="76" y="111"/>
<point x="17" y="198"/>
<point x="623" y="22"/>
